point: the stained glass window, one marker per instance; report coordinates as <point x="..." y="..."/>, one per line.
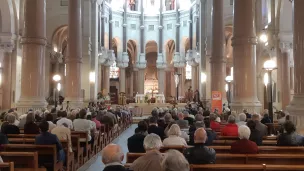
<point x="114" y="71"/>
<point x="188" y="71"/>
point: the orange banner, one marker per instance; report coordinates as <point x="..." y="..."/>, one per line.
<point x="216" y="103"/>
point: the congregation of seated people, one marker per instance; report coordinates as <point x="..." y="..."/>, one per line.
<point x="52" y="127"/>
<point x="197" y="133"/>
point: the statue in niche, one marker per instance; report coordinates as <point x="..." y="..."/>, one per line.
<point x="132" y="4"/>
<point x="170" y="5"/>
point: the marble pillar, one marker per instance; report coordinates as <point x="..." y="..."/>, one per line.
<point x="244" y="54"/>
<point x="132" y="84"/>
<point x="182" y="79"/>
<point x="33" y="48"/>
<point x="296" y="106"/>
<point x="217" y="61"/>
<point x="202" y="48"/>
<point x="285" y="65"/>
<point x="6" y="76"/>
<point x="106" y="79"/>
<point x="161" y="80"/>
<point x="122" y="80"/>
<point x="194" y="76"/>
<point x="74" y="58"/>
<point x="141" y="80"/>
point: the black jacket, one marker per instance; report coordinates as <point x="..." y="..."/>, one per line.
<point x="115" y="168"/>
<point x="136" y="143"/>
<point x="256" y="137"/>
<point x="200" y="154"/>
<point x="157" y="130"/>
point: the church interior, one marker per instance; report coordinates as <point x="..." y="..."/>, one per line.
<point x="106" y="84"/>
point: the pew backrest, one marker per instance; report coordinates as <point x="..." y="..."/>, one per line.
<point x="21" y="159"/>
<point x="7" y="166"/>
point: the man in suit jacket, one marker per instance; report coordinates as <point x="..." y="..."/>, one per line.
<point x="259" y="126"/>
<point x="244" y="145"/>
<point x="112" y="157"/>
<point x="153" y="128"/>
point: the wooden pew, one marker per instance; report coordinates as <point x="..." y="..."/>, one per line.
<point x="69" y="155"/>
<point x="78" y="151"/>
<point x="27" y="160"/>
<point x="48" y="151"/>
<point x="178" y="148"/>
<point x="229" y="142"/>
<point x="237" y="138"/>
<point x="84" y="143"/>
<point x="131" y="157"/>
<point x="7" y="166"/>
<point x="250" y="167"/>
<point x="288" y="159"/>
<point x="265" y="149"/>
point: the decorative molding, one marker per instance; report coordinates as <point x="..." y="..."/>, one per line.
<point x="286" y="46"/>
<point x="160" y="27"/>
<point x="6" y="47"/>
<point x="142" y="27"/>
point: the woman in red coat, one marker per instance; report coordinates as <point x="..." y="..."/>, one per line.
<point x="244" y="145"/>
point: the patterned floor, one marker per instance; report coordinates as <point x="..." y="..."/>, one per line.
<point x="95" y="163"/>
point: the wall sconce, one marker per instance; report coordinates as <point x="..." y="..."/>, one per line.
<point x="92" y="77"/>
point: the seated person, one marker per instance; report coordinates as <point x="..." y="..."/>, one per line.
<point x="49" y="119"/>
<point x="255" y="135"/>
<point x="153" y="128"/>
<point x="136" y="141"/>
<point x="211" y="134"/>
<point x="244" y="145"/>
<point x="290" y="137"/>
<point x="266" y="119"/>
<point x="188" y="118"/>
<point x="112" y="157"/>
<point x="63" y="133"/>
<point x="10" y="128"/>
<point x="65" y="120"/>
<point x="3" y="139"/>
<point x="30" y="126"/>
<point x="46" y="138"/>
<point x="243" y="119"/>
<point x="214" y="125"/>
<point x="231" y="129"/>
<point x="175" y="161"/>
<point x="200" y="154"/>
<point x="174" y="138"/>
<point x="82" y="124"/>
<point x="151" y="161"/>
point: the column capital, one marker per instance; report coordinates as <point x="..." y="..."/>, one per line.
<point x="6" y="47"/>
<point x="141" y="65"/>
<point x="180" y="64"/>
<point x="121" y="64"/>
<point x="286" y="46"/>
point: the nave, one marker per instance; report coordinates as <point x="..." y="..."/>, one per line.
<point x="96" y="164"/>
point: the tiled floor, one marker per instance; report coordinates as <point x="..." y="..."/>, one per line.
<point x="95" y="163"/>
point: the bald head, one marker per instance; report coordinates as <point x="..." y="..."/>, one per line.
<point x="200" y="136"/>
<point x="112" y="153"/>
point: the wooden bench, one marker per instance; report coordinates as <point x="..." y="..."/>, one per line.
<point x="237" y="138"/>
<point x="247" y="167"/>
<point x="44" y="151"/>
<point x="178" y="148"/>
<point x="7" y="166"/>
<point x="28" y="160"/>
<point x="78" y="151"/>
<point x="265" y="149"/>
<point x="84" y="142"/>
<point x="131" y="157"/>
<point x="229" y="142"/>
<point x="288" y="159"/>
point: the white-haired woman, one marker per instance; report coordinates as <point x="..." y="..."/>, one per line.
<point x="175" y="160"/>
<point x="174" y="138"/>
<point x="244" y="145"/>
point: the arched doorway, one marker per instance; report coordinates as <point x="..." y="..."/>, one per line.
<point x="57" y="62"/>
<point x="170" y="85"/>
<point x="151" y="79"/>
<point x="130" y="81"/>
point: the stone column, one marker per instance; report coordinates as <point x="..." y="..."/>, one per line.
<point x="296" y="106"/>
<point x="194" y="76"/>
<point x="122" y="80"/>
<point x="182" y="78"/>
<point x="141" y="80"/>
<point x="161" y="79"/>
<point x="94" y="87"/>
<point x="132" y="84"/>
<point x="285" y="65"/>
<point x="74" y="58"/>
<point x="33" y="41"/>
<point x="6" y="75"/>
<point x="202" y="48"/>
<point x="217" y="61"/>
<point x="244" y="54"/>
<point x="106" y="77"/>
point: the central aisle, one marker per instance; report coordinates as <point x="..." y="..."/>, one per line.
<point x="96" y="164"/>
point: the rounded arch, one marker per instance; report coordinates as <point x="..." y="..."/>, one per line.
<point x="59" y="39"/>
<point x="151" y="57"/>
<point x="7" y="17"/>
<point x="170" y="49"/>
<point x="132" y="51"/>
<point x="151" y="46"/>
<point x="228" y="42"/>
<point x="187" y="44"/>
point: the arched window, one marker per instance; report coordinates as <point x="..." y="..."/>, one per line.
<point x="114" y="71"/>
<point x="188" y="71"/>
